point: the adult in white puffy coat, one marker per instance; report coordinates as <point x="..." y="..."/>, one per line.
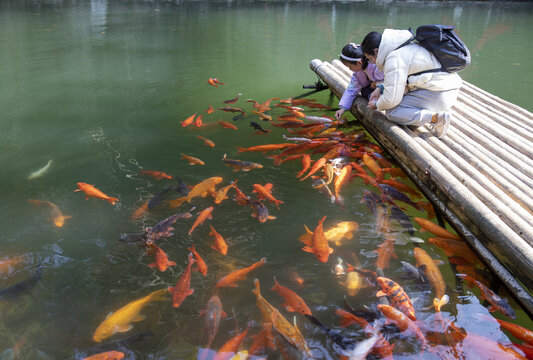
<point x="409" y="99"/>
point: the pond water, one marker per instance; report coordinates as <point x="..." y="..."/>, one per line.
<point x="100" y="87"/>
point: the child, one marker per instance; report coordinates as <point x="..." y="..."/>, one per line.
<point x="364" y="78"/>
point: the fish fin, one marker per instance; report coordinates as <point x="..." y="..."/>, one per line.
<point x="190" y="292"/>
<point x="330" y="250"/>
<point x="438" y="262"/>
<point x="139" y="318"/>
<point x="125" y="328"/>
<point x="77" y="190"/>
<point x="380" y="294"/>
<point x="112" y="200"/>
<point x="288" y="307"/>
<point x="307" y="229"/>
<point x="171" y="263"/>
<point x="308" y="249"/>
<point x="86" y="197"/>
<point x="108" y="315"/>
<point x="268" y="186"/>
<point x="270" y="217"/>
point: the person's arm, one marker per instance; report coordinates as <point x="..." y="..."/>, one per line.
<point x="395" y="78"/>
<point x="346" y="101"/>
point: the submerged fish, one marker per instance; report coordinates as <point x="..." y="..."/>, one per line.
<point x="41" y="171"/>
<point x="14" y="291"/>
<point x="163" y="228"/>
<point x="158" y="198"/>
<point x="91" y="191"/>
<point x="213" y="313"/>
<point x="241" y="165"/>
<point x="57" y="216"/>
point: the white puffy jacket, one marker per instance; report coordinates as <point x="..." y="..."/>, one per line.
<point x="396" y="66"/>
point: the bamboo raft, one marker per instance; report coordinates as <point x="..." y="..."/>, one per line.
<point x="479" y="176"/>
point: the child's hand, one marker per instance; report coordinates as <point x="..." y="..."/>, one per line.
<point x="375" y="95"/>
<point x="372" y="104"/>
<point x="339" y="113"/>
<point x="373" y="85"/>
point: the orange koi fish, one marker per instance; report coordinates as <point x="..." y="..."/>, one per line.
<point x="230" y="348"/>
<point x="221" y="194"/>
<point x="402" y="321"/>
<point x="108" y="355"/>
<point x="271" y="315"/>
<point x="265" y="192"/>
<point x="202" y="189"/>
<point x="192" y="160"/>
<point x="240" y="274"/>
<point x="188" y="121"/>
<point x="316" y="166"/>
<point x="294" y="276"/>
<point x="241" y="165"/>
<point x="261" y="108"/>
<point x="306" y="163"/>
<point x="140" y="211"/>
<point x="265" y="148"/>
<point x="476" y="346"/>
<point x="183" y="286"/>
<point x="232" y="101"/>
<point x="57" y="217"/>
<point x="341" y="180"/>
<point x="206" y="141"/>
<point x="91" y="191"/>
<point x="517" y="331"/>
<point x="292" y="301"/>
<point x="227" y="125"/>
<point x="397" y="297"/>
<point x="202" y="216"/>
<point x="385" y="252"/>
<point x="372" y="164"/>
<point x="158" y="175"/>
<point x="198" y="122"/>
<point x="435" y="229"/>
<point x="455" y="247"/>
<point x="161" y="259"/>
<point x="213" y="313"/>
<point x="214" y="82"/>
<point x="210" y="110"/>
<point x="497" y="303"/>
<point x="320" y="246"/>
<point x="201" y="266"/>
<point x="431" y="271"/>
<point x="219" y="244"/>
<point x="263" y="340"/>
<point x="263" y="116"/>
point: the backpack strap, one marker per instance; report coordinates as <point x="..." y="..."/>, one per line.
<point x="410" y="40"/>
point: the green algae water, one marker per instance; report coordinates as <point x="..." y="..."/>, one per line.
<point x="100" y="87"/>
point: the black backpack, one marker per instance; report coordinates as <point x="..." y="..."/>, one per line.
<point x="444" y="43"/>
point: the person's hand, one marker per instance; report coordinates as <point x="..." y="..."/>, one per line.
<point x="339" y="113"/>
<point x="372" y="104"/>
<point x="373" y="85"/>
<point x="375" y="95"/>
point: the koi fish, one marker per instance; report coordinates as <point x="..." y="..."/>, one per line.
<point x="316" y="166"/>
<point x="232" y="109"/>
<point x="57" y="217"/>
<point x="163" y="228"/>
<point x="403" y="322"/>
<point x="455" y="247"/>
<point x="403" y="187"/>
<point x="206" y="141"/>
<point x="91" y="191"/>
<point x="158" y="198"/>
<point x="497" y="303"/>
<point x="265" y="192"/>
<point x="161" y="259"/>
<point x="405" y="221"/>
<point x="7" y="264"/>
<point x="241" y="165"/>
<point x="413" y="272"/>
<point x="108" y="355"/>
<point x="343" y="230"/>
<point x="13" y="291"/>
<point x="183" y="286"/>
<point x="364" y="347"/>
<point x="261" y="108"/>
<point x="188" y="121"/>
<point x="320" y="245"/>
<point x="158" y="175"/>
<point x="214" y="82"/>
<point x="227" y="125"/>
<point x="263" y="340"/>
<point x="389" y="191"/>
<point x="265" y="148"/>
<point x="263" y="116"/>
<point x="198" y="122"/>
<point x="517" y="331"/>
<point x="260" y="211"/>
<point x="38" y="173"/>
<point x="397" y="297"/>
<point x="385" y="251"/>
<point x="435" y="229"/>
<point x="371" y="164"/>
<point x="120" y="320"/>
<point x="258" y="127"/>
<point x="240" y="274"/>
<point x="231" y="347"/>
<point x="192" y="160"/>
<point x="210" y="110"/>
<point x="306" y="163"/>
<point x="221" y="194"/>
<point x="213" y="313"/>
<point x="294" y="276"/>
<point x="353" y="283"/>
<point x="292" y="301"/>
<point x="219" y="242"/>
<point x="202" y="189"/>
<point x="202" y="216"/>
<point x="341" y="180"/>
<point x="140" y="211"/>
<point x="232" y="101"/>
<point x="201" y="266"/>
<point x="431" y="271"/>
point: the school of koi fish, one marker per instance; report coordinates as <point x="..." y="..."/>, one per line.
<point x="332" y="155"/>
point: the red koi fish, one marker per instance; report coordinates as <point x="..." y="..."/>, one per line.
<point x="306" y="162"/>
<point x="265" y="192"/>
<point x="234" y="276"/>
<point x="202" y="216"/>
<point x="183" y="286"/>
<point x="320" y="246"/>
<point x="198" y="122"/>
<point x="227" y="125"/>
<point x="292" y="301"/>
<point x="188" y="121"/>
<point x="158" y="175"/>
<point x="265" y="148"/>
<point x="435" y="229"/>
<point x="219" y="244"/>
<point x="402" y="321"/>
<point x="161" y="259"/>
<point x="213" y="313"/>
<point x="517" y="331"/>
<point x="206" y="141"/>
<point x="192" y="160"/>
<point x="210" y="110"/>
<point x="214" y="82"/>
<point x="385" y="252"/>
<point x="497" y="303"/>
<point x="201" y="266"/>
<point x="397" y="297"/>
<point x="232" y="101"/>
<point x="91" y="191"/>
<point x="108" y="355"/>
<point x="230" y="348"/>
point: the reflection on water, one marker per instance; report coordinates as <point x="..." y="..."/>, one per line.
<point x="101" y="87"/>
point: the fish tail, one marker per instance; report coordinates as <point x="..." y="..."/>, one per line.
<point x="159" y="295"/>
<point x="257" y="290"/>
<point x="112" y="200"/>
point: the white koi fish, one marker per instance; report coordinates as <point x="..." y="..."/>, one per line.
<point x="41" y="171"/>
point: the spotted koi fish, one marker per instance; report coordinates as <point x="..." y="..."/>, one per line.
<point x="397" y="297"/>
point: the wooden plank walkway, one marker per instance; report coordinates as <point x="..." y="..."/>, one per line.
<point x="479" y="176"/>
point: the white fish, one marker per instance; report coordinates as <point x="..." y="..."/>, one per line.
<point x="318" y="119"/>
<point x="295" y="138"/>
<point x="365" y="347"/>
<point x="41" y="171"/>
